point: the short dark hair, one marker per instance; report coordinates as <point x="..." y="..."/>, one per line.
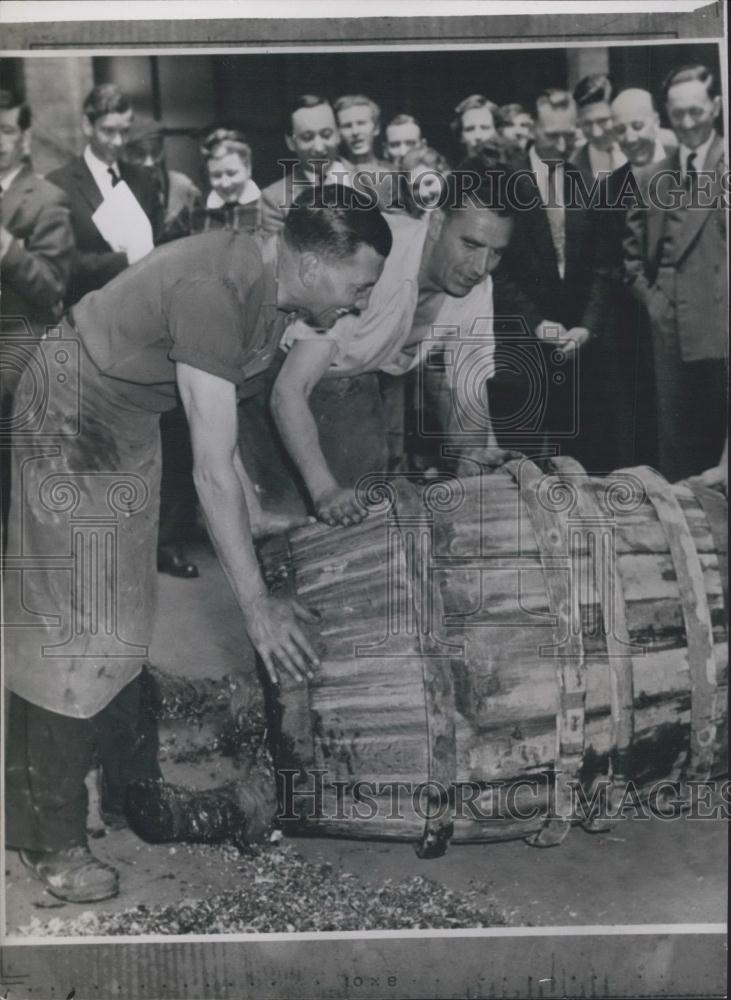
<point x="469" y="104"/>
<point x="9" y="100"/>
<point x="332" y="221"/>
<point x="554" y="97"/>
<point x="593" y="89"/>
<point x="299" y="102"/>
<point x="403" y="119"/>
<point x="105" y="99"/>
<point x="482" y="177"/>
<point x="688" y="72"/>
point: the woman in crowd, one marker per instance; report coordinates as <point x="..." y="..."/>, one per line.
<point x="474" y="122"/>
<point x="515" y="124"/>
<point x="234" y="198"/>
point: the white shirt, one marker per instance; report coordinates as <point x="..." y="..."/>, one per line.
<point x="100" y="172"/>
<point x="605" y="163"/>
<point x="555" y="197"/>
<point x="384" y="336"/>
<point x="551" y="190"/>
<point x="701" y="154"/>
<point x="375" y="339"/>
<point x="250" y="192"/>
<point x="8" y="179"/>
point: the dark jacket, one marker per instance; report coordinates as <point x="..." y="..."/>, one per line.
<point x="36" y="267"/>
<point x="95" y="262"/>
<point x="527" y="283"/>
<point x="537" y="392"/>
<point x="688" y="298"/>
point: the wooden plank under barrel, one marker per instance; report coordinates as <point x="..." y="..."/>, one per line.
<point x="497" y="629"/>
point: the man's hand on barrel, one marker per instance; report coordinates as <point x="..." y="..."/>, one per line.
<point x="270" y="523"/>
<point x="715" y="478"/>
<point x="339" y="506"/>
<point x="272" y="626"/>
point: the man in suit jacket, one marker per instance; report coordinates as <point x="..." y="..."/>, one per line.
<point x="675" y="253"/>
<point x="626" y="390"/>
<point x="91" y="177"/>
<point x="36" y="247"/>
<point x="543" y="291"/>
<point x="600" y="154"/>
<point x="36" y="241"/>
<point x="312" y="134"/>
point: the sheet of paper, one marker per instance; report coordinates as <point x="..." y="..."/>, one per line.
<point x="122" y="222"/>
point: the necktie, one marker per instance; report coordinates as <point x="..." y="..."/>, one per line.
<point x="691" y="174"/>
<point x="114" y="175"/>
<point x="556" y="220"/>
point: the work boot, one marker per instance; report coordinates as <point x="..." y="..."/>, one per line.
<point x="74" y="875"/>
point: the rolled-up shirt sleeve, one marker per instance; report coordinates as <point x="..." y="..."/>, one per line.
<point x="206" y="325"/>
<point x="339" y="336"/>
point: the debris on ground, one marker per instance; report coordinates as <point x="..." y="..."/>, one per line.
<point x="279" y="891"/>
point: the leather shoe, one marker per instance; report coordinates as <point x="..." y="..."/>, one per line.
<point x="74" y="875"/>
<point x="173" y="561"/>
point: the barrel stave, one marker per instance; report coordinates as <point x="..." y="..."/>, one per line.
<point x="366" y="718"/>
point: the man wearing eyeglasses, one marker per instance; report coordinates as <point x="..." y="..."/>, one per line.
<point x="600" y="154"/>
<point x="675" y="263"/>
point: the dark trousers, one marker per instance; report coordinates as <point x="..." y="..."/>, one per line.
<point x="535" y="398"/>
<point x="692" y="400"/>
<point x="178" y="497"/>
<point x="48" y="757"/>
<point x="618" y="388"/>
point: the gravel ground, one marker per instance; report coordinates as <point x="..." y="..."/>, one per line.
<point x="279" y="891"/>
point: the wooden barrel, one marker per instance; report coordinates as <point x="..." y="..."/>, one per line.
<point x="497" y="642"/>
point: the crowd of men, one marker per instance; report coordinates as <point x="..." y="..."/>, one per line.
<point x="568" y="273"/>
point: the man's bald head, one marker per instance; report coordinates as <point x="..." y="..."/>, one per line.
<point x="635" y="125"/>
<point x="634" y="100"/>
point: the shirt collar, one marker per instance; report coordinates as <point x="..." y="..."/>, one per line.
<point x="701" y="153"/>
<point x="98" y="167"/>
<point x="550" y="184"/>
<point x="9" y="178"/>
<point x="540" y="166"/>
<point x="249" y="193"/>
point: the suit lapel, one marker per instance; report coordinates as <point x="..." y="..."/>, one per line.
<point x="86" y="185"/>
<point x="695" y="218"/>
<point x="543" y="247"/>
<point x="662" y="194"/>
<point x="575" y="218"/>
<point x="15" y="197"/>
<point x="130" y="177"/>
